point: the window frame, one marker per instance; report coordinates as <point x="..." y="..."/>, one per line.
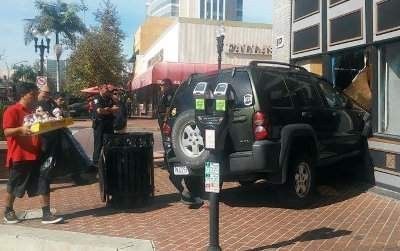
<point x="306" y="15"/>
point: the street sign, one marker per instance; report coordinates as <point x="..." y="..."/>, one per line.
<point x="41" y="81"/>
<point x="212" y="177"/>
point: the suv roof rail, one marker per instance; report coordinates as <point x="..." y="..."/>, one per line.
<point x="256" y="63"/>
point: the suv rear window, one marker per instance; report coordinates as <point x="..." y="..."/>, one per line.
<point x="242" y="86"/>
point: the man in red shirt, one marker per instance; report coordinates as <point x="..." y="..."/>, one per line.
<point x="23" y="157"/>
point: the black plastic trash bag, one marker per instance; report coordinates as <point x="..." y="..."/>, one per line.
<point x="47" y="164"/>
<point x="63" y="155"/>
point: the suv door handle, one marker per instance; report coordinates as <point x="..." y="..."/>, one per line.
<point x="306" y="114"/>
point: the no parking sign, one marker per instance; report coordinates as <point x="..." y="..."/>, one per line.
<point x="41" y="81"/>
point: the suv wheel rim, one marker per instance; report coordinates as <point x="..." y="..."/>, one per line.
<point x="191" y="141"/>
<point x="302" y="179"/>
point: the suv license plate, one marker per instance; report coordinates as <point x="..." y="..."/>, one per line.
<point x="181" y="170"/>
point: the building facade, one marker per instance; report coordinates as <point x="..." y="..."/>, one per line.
<point x="353" y="42"/>
<point x="190" y="40"/>
<point x="51" y="70"/>
<point x="204" y="9"/>
<point x="191" y="43"/>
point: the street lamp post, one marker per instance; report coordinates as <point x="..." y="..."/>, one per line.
<point x="58" y="50"/>
<point x="42" y="47"/>
<point x="220" y="36"/>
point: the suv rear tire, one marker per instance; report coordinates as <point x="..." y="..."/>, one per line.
<point x="187" y="142"/>
<point x="301" y="179"/>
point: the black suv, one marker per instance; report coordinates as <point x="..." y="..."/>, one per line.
<point x="286" y="123"/>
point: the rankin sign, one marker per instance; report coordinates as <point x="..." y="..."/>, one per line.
<point x="244" y="49"/>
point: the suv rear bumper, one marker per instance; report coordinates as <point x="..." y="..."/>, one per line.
<point x="264" y="157"/>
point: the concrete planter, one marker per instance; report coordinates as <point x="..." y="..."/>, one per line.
<point x="3" y="153"/>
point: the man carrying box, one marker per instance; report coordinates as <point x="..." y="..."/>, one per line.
<point x="23" y="157"/>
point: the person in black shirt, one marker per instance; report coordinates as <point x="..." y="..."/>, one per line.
<point x="167" y="93"/>
<point x="190" y="197"/>
<point x="120" y="117"/>
<point x="104" y="110"/>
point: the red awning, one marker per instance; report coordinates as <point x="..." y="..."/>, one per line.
<point x="177" y="72"/>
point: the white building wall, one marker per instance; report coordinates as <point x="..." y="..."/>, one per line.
<point x="189" y="8"/>
<point x="281" y="30"/>
<point x="199" y="45"/>
<point x="196" y="43"/>
<point x="168" y="44"/>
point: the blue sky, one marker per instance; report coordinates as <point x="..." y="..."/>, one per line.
<point x="131" y="12"/>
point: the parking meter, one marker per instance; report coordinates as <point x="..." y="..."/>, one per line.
<point x="202" y="95"/>
<point x="213" y="113"/>
<point x="214" y="116"/>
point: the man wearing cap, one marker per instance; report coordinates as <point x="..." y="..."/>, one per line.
<point x="45" y="101"/>
<point x="104" y="110"/>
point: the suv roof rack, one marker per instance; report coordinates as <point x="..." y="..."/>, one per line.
<point x="292" y="66"/>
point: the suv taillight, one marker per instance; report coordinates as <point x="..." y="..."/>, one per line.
<point x="166" y="130"/>
<point x="260" y="126"/>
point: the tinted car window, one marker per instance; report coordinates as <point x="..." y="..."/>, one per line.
<point x="303" y="92"/>
<point x="272" y="88"/>
<point x="242" y="86"/>
<point x="332" y="97"/>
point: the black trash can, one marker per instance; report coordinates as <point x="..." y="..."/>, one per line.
<point x="126" y="169"/>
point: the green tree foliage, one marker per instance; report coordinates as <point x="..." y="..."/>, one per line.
<point x="98" y="56"/>
<point x="58" y="17"/>
<point x="23" y="73"/>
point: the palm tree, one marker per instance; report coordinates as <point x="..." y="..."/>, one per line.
<point x="58" y="17"/>
<point x="23" y="73"/>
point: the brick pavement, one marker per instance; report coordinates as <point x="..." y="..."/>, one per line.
<point x="345" y="216"/>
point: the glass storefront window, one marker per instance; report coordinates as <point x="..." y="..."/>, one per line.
<point x="389" y="89"/>
<point x="346" y="66"/>
<point x="313" y="65"/>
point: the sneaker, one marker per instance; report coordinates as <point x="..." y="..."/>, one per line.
<point x="187" y="199"/>
<point x="51" y="219"/>
<point x="10" y="217"/>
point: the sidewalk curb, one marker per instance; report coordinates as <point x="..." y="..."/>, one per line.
<point x="385" y="192"/>
<point x="35" y="239"/>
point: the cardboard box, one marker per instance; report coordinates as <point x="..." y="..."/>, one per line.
<point x="42" y="127"/>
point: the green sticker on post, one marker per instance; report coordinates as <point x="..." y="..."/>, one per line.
<point x="200" y="104"/>
<point x="220" y="105"/>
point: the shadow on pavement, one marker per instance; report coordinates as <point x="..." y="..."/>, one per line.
<point x="333" y="185"/>
<point x="316" y="234"/>
<point x="156" y="203"/>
